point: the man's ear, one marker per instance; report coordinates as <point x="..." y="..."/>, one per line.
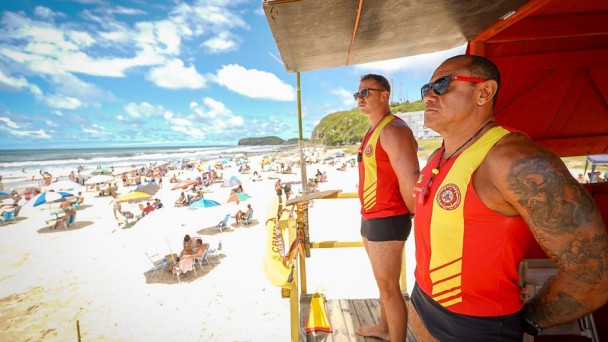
<point x="487" y="91"/>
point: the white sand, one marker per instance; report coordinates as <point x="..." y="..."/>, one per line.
<point x="94" y="272"/>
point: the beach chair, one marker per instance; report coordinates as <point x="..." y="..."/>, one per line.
<point x="223" y="223"/>
<point x="203" y="259"/>
<point x="213" y="253"/>
<point x="7" y="216"/>
<point x="156" y="261"/>
<point x="68" y="221"/>
<point x="249" y="219"/>
<point x="184" y="266"/>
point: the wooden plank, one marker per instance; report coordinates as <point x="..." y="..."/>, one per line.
<point x="345" y="315"/>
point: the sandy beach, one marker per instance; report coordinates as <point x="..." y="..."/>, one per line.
<point x="95" y="272"/>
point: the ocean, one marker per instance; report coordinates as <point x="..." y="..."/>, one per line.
<point x="17" y="167"/>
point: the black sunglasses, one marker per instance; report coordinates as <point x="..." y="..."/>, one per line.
<point x="364" y="92"/>
<point x="440" y="86"/>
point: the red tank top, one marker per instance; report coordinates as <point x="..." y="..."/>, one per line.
<point x="467" y="255"/>
<point x="379" y="192"/>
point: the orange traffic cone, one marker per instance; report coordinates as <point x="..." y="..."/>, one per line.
<point x="317" y="315"/>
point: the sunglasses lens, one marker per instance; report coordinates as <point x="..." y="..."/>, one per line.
<point x="356" y="96"/>
<point x="441" y="85"/>
<point x="425" y="89"/>
<point x="364" y="93"/>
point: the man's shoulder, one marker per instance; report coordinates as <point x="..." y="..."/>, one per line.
<point x="515" y="150"/>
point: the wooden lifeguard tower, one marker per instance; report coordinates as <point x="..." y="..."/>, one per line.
<point x="553" y="57"/>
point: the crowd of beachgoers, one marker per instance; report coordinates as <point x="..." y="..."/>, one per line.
<point x="96" y="272"/>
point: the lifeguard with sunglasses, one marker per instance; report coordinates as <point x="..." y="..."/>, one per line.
<point x="485" y="195"/>
<point x="388" y="170"/>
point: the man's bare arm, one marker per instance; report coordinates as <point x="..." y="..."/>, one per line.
<point x="402" y="149"/>
<point x="567" y="225"/>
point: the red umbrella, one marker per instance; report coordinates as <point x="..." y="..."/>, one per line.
<point x="185" y="184"/>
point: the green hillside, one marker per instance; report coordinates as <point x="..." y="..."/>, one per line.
<point x="349" y="127"/>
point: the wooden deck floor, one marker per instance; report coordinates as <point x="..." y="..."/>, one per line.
<point x="345" y="316"/>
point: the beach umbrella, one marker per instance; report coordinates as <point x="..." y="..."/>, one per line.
<point x="329" y="157"/>
<point x="50" y="196"/>
<point x="102" y="171"/>
<point x="185" y="184"/>
<point x="150" y="188"/>
<point x="239" y="196"/>
<point x="97" y="179"/>
<point x="203" y="203"/>
<point x="63" y="185"/>
<point x="133" y="197"/>
<point x="231" y="182"/>
<point x="4" y="194"/>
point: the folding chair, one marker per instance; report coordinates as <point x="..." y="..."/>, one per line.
<point x="156" y="261"/>
<point x="204" y="258"/>
<point x="249" y="219"/>
<point x="223" y="223"/>
<point x="184" y="266"/>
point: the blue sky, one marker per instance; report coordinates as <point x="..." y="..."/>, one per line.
<point x="100" y="73"/>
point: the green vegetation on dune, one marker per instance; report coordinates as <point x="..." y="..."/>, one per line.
<point x="349" y="127"/>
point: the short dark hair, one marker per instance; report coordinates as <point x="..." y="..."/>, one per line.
<point x="378" y="78"/>
<point x="187" y="237"/>
<point x="199" y="241"/>
<point x="482" y="67"/>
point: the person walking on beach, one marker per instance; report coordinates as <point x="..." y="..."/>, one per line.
<point x="388" y="170"/>
<point x="484" y="197"/>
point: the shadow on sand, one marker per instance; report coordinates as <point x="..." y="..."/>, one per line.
<point x="213" y="230"/>
<point x="13" y="220"/>
<point x="164" y="276"/>
<point x="74" y="226"/>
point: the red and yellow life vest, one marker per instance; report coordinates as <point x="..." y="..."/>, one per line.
<point x="467" y="254"/>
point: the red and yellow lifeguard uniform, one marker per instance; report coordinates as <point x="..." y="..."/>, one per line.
<point x="467" y="254"/>
<point x="378" y="185"/>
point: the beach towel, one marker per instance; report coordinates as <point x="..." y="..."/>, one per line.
<point x="184" y="265"/>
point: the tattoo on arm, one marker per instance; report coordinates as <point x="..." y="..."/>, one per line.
<point x="554" y="203"/>
<point x="567" y="224"/>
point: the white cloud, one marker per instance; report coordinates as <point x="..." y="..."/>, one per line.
<point x="13" y="129"/>
<point x="61" y="102"/>
<point x="8" y="122"/>
<point x="174" y="75"/>
<point x="216" y="116"/>
<point x="184" y="126"/>
<point x="13" y="82"/>
<point x="47" y="13"/>
<point x="419" y="64"/>
<point x="96" y="130"/>
<point x="254" y="83"/>
<point x="191" y="131"/>
<point x="345" y="96"/>
<point x="223" y="42"/>
<point x="143" y="109"/>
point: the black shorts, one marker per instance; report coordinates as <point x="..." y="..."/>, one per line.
<point x="445" y="325"/>
<point x="393" y="228"/>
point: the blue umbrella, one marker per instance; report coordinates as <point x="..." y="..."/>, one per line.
<point x="4" y="194"/>
<point x="51" y="196"/>
<point x="203" y="203"/>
